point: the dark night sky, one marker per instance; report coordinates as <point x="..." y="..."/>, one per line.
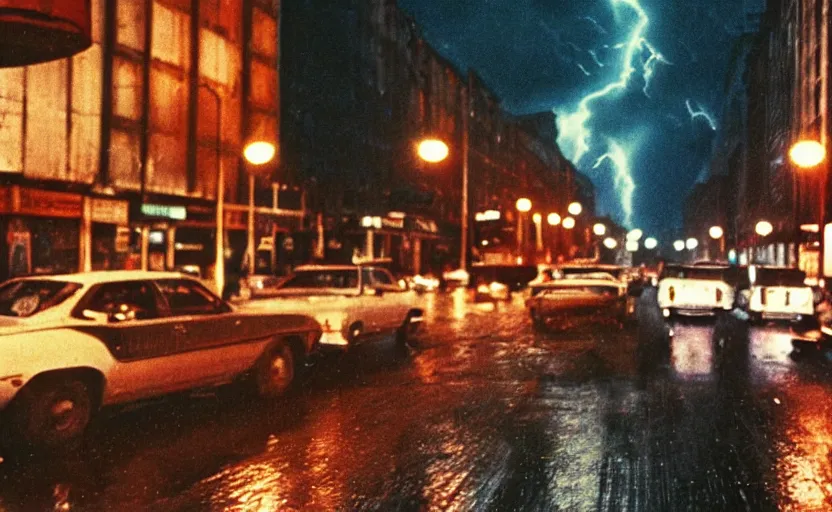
<point x="550" y="54"/>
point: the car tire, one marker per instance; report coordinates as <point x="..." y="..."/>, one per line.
<point x="537" y="321"/>
<point x="405" y="332"/>
<point x="51" y="413"/>
<point x="275" y="373"/>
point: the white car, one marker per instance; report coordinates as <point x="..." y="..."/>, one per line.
<point x="779" y="293"/>
<point x="352" y="303"/>
<point x="70" y="344"/>
<point x="696" y="290"/>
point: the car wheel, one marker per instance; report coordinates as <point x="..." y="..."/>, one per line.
<point x="52" y="413"/>
<point x="276" y="372"/>
<point x="406" y="331"/>
<point x="537" y="322"/>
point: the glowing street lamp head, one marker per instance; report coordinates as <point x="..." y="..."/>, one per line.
<point x="691" y="243"/>
<point x="635" y="235"/>
<point x="632" y="246"/>
<point x="807" y="153"/>
<point x="523" y="204"/>
<point x="259" y="152"/>
<point x="553" y="219"/>
<point x="651" y="243"/>
<point x="537" y="218"/>
<point x="575" y="208"/>
<point x="679" y="245"/>
<point x="764" y="228"/>
<point x="569" y="223"/>
<point x="716" y="232"/>
<point x="599" y="229"/>
<point x="432" y="150"/>
<point x="610" y="243"/>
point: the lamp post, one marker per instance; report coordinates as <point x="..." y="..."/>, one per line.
<point x="717" y="233"/>
<point x="523" y="206"/>
<point x="256" y="153"/>
<point x="219" y="242"/>
<point x="808" y="154"/>
<point x="538" y="227"/>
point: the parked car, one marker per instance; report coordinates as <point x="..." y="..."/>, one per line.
<point x="568" y="303"/>
<point x="779" y="293"/>
<point x="70" y="344"/>
<point x="697" y="290"/>
<point x="352" y="303"/>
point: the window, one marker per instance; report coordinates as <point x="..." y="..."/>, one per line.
<point x="382" y="278"/>
<point x="29" y="297"/>
<point x="134" y="296"/>
<point x="323" y="279"/>
<point x="187" y="297"/>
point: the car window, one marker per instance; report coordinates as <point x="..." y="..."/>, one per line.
<point x="134" y="297"/>
<point x="322" y="279"/>
<point x="31" y="296"/>
<point x="383" y="278"/>
<point x="186" y="297"/>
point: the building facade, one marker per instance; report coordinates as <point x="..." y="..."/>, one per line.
<point x="110" y="159"/>
<point x="361" y="88"/>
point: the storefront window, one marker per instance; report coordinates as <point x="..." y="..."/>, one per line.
<point x="109" y="252"/>
<point x="54" y="244"/>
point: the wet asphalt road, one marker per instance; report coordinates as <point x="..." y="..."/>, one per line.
<point x="483" y="414"/>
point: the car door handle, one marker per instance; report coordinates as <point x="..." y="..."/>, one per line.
<point x="180" y="329"/>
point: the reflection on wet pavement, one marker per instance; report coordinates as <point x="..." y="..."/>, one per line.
<point x="484" y="414"/>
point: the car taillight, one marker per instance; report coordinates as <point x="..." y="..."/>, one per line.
<point x="671" y="293"/>
<point x="763" y="298"/>
<point x="719" y="295"/>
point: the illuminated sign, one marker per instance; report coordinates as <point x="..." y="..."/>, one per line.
<point x="164" y="211"/>
<point x="487" y="215"/>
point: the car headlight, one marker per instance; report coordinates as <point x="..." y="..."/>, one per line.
<point x="483" y="289"/>
<point x="331" y="322"/>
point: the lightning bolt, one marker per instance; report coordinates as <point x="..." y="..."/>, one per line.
<point x="575" y="135"/>
<point x="623" y="177"/>
<point x="700" y="112"/>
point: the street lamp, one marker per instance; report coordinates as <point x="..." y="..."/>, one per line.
<point x="632" y="246"/>
<point x="523" y="205"/>
<point x="635" y="235"/>
<point x="807" y="153"/>
<point x="256" y="153"/>
<point x="651" y="243"/>
<point x="764" y="228"/>
<point x="433" y="150"/>
<point x="599" y="229"/>
<point x="575" y="208"/>
<point x="553" y="219"/>
<point x="610" y="243"/>
<point x="679" y="245"/>
<point x="568" y="223"/>
<point x="715" y="232"/>
<point x="691" y="243"/>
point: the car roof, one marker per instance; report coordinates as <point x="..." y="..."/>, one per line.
<point x="306" y="268"/>
<point x="109" y="276"/>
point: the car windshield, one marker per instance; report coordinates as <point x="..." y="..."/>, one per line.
<point x="594" y="290"/>
<point x="322" y="279"/>
<point x="30" y="297"/>
<point x="704" y="273"/>
<point x="612" y="272"/>
<point x="779" y="277"/>
<point x="591" y="275"/>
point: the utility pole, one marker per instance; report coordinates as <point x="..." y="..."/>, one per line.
<point x="466" y="116"/>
